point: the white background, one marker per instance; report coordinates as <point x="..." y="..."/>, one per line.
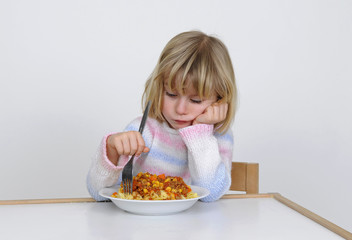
<point x="72" y="71"/>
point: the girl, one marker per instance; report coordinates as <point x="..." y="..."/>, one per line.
<point x="193" y="101"/>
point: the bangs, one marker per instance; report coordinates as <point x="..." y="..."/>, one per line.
<point x="197" y="71"/>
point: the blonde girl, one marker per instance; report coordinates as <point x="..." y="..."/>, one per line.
<point x="193" y="98"/>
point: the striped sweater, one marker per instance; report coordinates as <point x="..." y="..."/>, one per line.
<point x="195" y="153"/>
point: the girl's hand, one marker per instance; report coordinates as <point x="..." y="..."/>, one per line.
<point x="213" y="114"/>
<point x="125" y="143"/>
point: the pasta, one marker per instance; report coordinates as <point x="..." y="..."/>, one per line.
<point x="148" y="186"/>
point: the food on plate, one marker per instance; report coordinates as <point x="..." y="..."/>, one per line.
<point x="148" y="186"/>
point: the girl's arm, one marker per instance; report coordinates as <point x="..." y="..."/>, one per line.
<point x="210" y="158"/>
<point x="106" y="168"/>
<point x="102" y="173"/>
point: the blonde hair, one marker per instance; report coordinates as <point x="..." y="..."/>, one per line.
<point x="198" y="59"/>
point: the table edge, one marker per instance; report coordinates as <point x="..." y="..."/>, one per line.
<point x="45" y="201"/>
<point x="313" y="216"/>
<point x="81" y="200"/>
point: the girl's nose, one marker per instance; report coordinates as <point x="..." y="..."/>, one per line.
<point x="181" y="106"/>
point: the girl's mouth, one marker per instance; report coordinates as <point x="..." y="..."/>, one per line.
<point x="181" y="122"/>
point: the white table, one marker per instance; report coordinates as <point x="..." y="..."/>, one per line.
<point x="262" y="216"/>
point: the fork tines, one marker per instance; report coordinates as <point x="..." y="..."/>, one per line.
<point x="127" y="186"/>
<point x="127" y="178"/>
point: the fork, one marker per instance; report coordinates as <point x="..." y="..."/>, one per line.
<point x="127" y="178"/>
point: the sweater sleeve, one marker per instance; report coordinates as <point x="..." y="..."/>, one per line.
<point x="102" y="172"/>
<point x="209" y="158"/>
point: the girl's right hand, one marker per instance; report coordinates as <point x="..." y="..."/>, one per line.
<point x="125" y="143"/>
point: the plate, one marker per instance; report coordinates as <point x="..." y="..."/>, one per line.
<point x="154" y="207"/>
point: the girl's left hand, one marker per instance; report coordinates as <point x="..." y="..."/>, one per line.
<point x="213" y="114"/>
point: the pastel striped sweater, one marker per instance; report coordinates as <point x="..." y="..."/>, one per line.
<point x="195" y="153"/>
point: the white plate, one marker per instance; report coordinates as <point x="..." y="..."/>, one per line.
<point x="154" y="207"/>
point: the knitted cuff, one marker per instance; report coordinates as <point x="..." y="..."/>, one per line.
<point x="196" y="131"/>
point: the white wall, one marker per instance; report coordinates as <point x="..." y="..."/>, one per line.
<point x="71" y="71"/>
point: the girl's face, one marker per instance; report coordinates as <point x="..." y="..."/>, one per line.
<point x="180" y="110"/>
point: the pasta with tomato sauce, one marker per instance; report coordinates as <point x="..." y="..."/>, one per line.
<point x="148" y="186"/>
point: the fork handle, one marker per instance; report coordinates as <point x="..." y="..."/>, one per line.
<point x="131" y="160"/>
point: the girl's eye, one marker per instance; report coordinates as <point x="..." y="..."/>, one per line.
<point x="170" y="94"/>
<point x="196" y="101"/>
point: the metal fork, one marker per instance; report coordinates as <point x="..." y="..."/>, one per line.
<point x="127" y="178"/>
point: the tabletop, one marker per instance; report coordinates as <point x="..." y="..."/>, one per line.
<point x="235" y="216"/>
